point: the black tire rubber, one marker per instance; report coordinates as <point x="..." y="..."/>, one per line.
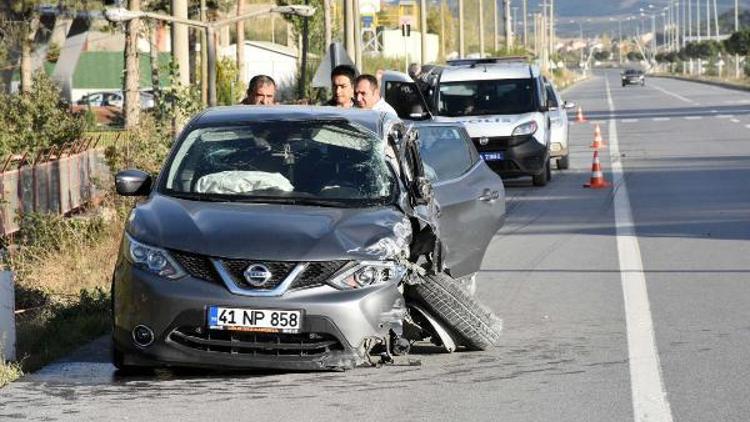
<point x="473" y="324"/>
<point x="563" y="163"/>
<point x="542" y="178"/>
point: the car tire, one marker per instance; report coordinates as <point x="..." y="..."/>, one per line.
<point x="472" y="324"/>
<point x="563" y="163"/>
<point x="542" y="178"/>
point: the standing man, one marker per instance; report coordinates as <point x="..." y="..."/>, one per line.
<point x="367" y="95"/>
<point x="260" y="91"/>
<point x="342" y="83"/>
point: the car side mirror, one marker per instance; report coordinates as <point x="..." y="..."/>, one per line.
<point x="569" y="105"/>
<point x="133" y="182"/>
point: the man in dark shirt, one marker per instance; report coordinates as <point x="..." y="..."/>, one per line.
<point x="342" y="84"/>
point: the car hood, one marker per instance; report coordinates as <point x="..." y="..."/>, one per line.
<point x="492" y="125"/>
<point x="262" y="231"/>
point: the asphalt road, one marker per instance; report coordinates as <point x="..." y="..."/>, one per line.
<point x="620" y="304"/>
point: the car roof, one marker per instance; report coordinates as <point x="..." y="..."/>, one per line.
<point x="488" y="71"/>
<point x="223" y="115"/>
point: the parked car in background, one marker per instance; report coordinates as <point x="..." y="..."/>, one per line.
<point x="503" y="104"/>
<point x="114" y="99"/>
<point x="298" y="238"/>
<point x="558" y="112"/>
<point x="633" y="77"/>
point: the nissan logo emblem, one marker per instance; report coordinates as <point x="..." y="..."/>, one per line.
<point x="484" y="140"/>
<point x="257" y="275"/>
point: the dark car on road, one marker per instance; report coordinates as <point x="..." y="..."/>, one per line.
<point x="633" y="77"/>
<point x="298" y="238"/>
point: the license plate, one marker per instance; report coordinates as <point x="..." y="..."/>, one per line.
<point x="491" y="156"/>
<point x="243" y="319"/>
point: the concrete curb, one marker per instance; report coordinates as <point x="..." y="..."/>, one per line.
<point x="705" y="82"/>
<point x="7" y="317"/>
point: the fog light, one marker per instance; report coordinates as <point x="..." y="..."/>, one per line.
<point x="143" y="336"/>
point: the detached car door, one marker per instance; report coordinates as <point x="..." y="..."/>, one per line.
<point x="470" y="195"/>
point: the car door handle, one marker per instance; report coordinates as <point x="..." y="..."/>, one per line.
<point x="489" y="196"/>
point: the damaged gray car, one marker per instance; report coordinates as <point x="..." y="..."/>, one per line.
<point x="294" y="238"/>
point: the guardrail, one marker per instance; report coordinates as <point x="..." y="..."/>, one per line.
<point x="56" y="180"/>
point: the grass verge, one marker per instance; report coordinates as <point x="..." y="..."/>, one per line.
<point x="62" y="271"/>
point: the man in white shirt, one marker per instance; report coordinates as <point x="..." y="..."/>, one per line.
<point x="367" y="95"/>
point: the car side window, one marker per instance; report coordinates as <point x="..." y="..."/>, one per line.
<point x="445" y="152"/>
<point x="551" y="97"/>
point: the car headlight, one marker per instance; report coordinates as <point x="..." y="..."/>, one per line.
<point x="152" y="259"/>
<point x="527" y="128"/>
<point x="367" y="273"/>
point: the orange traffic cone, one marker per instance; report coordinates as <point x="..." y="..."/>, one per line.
<point x="579" y="115"/>
<point x="597" y="178"/>
<point x="598" y="141"/>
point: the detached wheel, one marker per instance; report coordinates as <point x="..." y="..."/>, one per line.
<point x="473" y="324"/>
<point x="563" y="163"/>
<point x="543" y="177"/>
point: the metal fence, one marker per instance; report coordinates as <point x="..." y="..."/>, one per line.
<point x="57" y="180"/>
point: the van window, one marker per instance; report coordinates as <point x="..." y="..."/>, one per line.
<point x="476" y="98"/>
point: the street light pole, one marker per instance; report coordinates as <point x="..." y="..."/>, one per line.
<point x="124" y="15"/>
<point x="461" y="50"/>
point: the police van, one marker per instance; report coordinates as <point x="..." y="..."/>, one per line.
<point x="503" y="105"/>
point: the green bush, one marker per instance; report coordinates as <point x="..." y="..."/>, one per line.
<point x="37" y="119"/>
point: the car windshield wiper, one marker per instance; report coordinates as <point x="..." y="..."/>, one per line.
<point x="291" y="200"/>
<point x="207" y="197"/>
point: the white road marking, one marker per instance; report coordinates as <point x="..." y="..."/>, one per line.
<point x="693" y="117"/>
<point x="733" y="120"/>
<point x="647" y="387"/>
<point x="747" y="126"/>
<point x="629" y="120"/>
<point x="679" y="97"/>
<point x="724" y="116"/>
<point x="661" y="119"/>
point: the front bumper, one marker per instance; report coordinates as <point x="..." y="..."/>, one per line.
<point x="633" y="81"/>
<point x="335" y="332"/>
<point x="522" y="155"/>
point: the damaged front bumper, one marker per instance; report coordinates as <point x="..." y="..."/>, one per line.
<point x="338" y="329"/>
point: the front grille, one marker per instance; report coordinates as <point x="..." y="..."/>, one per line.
<point x="255" y="344"/>
<point x="499" y="143"/>
<point x="317" y="273"/>
<point x="279" y="271"/>
<point x="197" y="266"/>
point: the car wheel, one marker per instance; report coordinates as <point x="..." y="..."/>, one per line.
<point x="563" y="163"/>
<point x="542" y="178"/>
<point x="474" y="325"/>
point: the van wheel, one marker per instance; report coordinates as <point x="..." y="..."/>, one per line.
<point x="474" y="325"/>
<point x="563" y="163"/>
<point x="543" y="177"/>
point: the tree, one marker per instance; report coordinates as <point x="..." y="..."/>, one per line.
<point x="635" y="56"/>
<point x="738" y="43"/>
<point x="437" y="16"/>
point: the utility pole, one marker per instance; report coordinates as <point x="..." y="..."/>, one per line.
<point x="508" y="33"/>
<point x="481" y="30"/>
<point x="240" y="51"/>
<point x="525" y="35"/>
<point x="551" y="27"/>
<point x="708" y="19"/>
<point x="180" y="48"/>
<point x="698" y="18"/>
<point x="357" y="36"/>
<point x="326" y="22"/>
<point x="494" y="25"/>
<point x="619" y="41"/>
<point x="349" y="28"/>
<point x="422" y="31"/>
<point x="736" y="29"/>
<point x="716" y="20"/>
<point x="132" y="69"/>
<point x="204" y="57"/>
<point x="442" y="28"/>
<point x="461" y="51"/>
